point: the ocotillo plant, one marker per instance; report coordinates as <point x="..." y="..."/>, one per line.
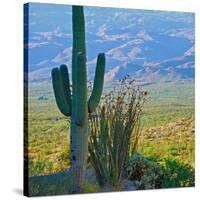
<point x="74" y="103"/>
<point x="114" y="129"/>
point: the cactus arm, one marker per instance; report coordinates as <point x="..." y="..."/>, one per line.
<point x="81" y="90"/>
<point x="66" y="83"/>
<point x="98" y="83"/>
<point x="58" y="89"/>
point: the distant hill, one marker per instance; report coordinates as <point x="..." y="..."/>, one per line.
<point x="147" y="45"/>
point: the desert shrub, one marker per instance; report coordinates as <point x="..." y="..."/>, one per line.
<point x="114" y="130"/>
<point x="42" y="98"/>
<point x="147" y="173"/>
<point x="178" y="174"/>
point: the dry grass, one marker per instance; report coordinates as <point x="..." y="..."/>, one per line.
<point x="173" y="140"/>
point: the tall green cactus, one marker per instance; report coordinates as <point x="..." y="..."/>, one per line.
<point x="75" y="103"/>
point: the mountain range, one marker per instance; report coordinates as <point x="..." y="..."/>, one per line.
<point x="148" y="45"/>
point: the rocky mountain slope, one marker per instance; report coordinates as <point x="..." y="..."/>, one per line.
<point x="148" y="45"/>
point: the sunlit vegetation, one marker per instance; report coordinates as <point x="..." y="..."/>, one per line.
<point x="167" y="135"/>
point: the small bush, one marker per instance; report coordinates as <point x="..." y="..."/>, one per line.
<point x="148" y="174"/>
<point x="42" y="98"/>
<point x="178" y="175"/>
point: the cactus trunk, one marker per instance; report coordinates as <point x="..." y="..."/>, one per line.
<point x="76" y="104"/>
<point x="79" y="148"/>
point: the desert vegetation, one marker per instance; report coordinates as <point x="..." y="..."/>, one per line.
<point x="165" y="144"/>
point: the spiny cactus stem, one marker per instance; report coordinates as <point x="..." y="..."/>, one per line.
<point x="59" y="93"/>
<point x="98" y="83"/>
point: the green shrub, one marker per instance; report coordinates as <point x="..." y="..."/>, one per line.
<point x="178" y="175"/>
<point x="114" y="130"/>
<point x="147" y="173"/>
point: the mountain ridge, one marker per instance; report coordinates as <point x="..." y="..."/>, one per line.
<point x="149" y="45"/>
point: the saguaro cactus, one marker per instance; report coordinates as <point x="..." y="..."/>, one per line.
<point x="75" y="103"/>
